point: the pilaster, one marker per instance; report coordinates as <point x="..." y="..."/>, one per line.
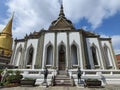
<point x="86" y="62"/>
<point x="68" y="51"/>
<point x="55" y="49"/>
<point x="39" y="55"/>
<point x="82" y="51"/>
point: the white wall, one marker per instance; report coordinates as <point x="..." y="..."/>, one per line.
<point x="74" y="38"/>
<point x="49" y="38"/>
<point x="16" y="63"/>
<point x="34" y="43"/>
<point x="111" y="56"/>
<point x="90" y="41"/>
<point x="62" y="37"/>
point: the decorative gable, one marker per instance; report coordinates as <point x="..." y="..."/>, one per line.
<point x="62" y="23"/>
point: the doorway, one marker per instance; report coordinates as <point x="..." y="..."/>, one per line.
<point x="62" y="54"/>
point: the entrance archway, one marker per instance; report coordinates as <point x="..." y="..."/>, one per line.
<point x="62" y="55"/>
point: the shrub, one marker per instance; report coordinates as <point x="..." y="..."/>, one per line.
<point x="17" y="72"/>
<point x="14" y="78"/>
<point x="10" y="72"/>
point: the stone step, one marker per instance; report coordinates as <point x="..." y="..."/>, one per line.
<point x="61" y="76"/>
<point x="62" y="80"/>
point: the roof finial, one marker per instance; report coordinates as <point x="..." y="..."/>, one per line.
<point x="8" y="27"/>
<point x="61" y="9"/>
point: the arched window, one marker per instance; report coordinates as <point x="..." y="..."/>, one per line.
<point x="74" y="57"/>
<point x="94" y="55"/>
<point x="30" y="56"/>
<point x="18" y="56"/>
<point x="107" y="56"/>
<point x="49" y="58"/>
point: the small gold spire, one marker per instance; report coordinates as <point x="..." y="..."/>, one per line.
<point x="8" y="28"/>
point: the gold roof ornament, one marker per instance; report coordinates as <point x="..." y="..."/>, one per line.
<point x="8" y="27"/>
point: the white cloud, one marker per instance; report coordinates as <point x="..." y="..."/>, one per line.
<point x="93" y="10"/>
<point x="33" y="15"/>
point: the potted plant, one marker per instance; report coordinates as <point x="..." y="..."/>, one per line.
<point x="28" y="81"/>
<point x="92" y="82"/>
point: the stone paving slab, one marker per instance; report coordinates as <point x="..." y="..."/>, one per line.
<point x="108" y="87"/>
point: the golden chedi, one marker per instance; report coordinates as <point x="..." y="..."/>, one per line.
<point x="6" y="39"/>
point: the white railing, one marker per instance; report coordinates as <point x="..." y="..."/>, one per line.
<point x="106" y="76"/>
<point x="95" y="72"/>
<point x="34" y="72"/>
<point x="72" y="71"/>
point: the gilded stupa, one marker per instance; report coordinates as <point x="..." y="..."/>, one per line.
<point x="6" y="39"/>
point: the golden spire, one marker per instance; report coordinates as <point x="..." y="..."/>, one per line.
<point x="8" y="28"/>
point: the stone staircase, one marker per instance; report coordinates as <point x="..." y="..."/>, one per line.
<point x="62" y="79"/>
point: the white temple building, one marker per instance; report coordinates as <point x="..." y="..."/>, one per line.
<point x="64" y="48"/>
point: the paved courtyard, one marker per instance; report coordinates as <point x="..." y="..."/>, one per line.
<point x="108" y="87"/>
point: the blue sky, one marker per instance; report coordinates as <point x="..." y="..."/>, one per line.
<point x="94" y="15"/>
<point x="3" y="11"/>
<point x="109" y="26"/>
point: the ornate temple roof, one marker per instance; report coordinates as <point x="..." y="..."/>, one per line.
<point x="62" y="23"/>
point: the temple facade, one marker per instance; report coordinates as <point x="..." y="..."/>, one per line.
<point x="64" y="48"/>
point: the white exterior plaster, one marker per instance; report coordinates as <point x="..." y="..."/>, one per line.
<point x="111" y="56"/>
<point x="75" y="37"/>
<point x="62" y="37"/>
<point x="16" y="63"/>
<point x="95" y="41"/>
<point x="48" y="39"/>
<point x="34" y="43"/>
